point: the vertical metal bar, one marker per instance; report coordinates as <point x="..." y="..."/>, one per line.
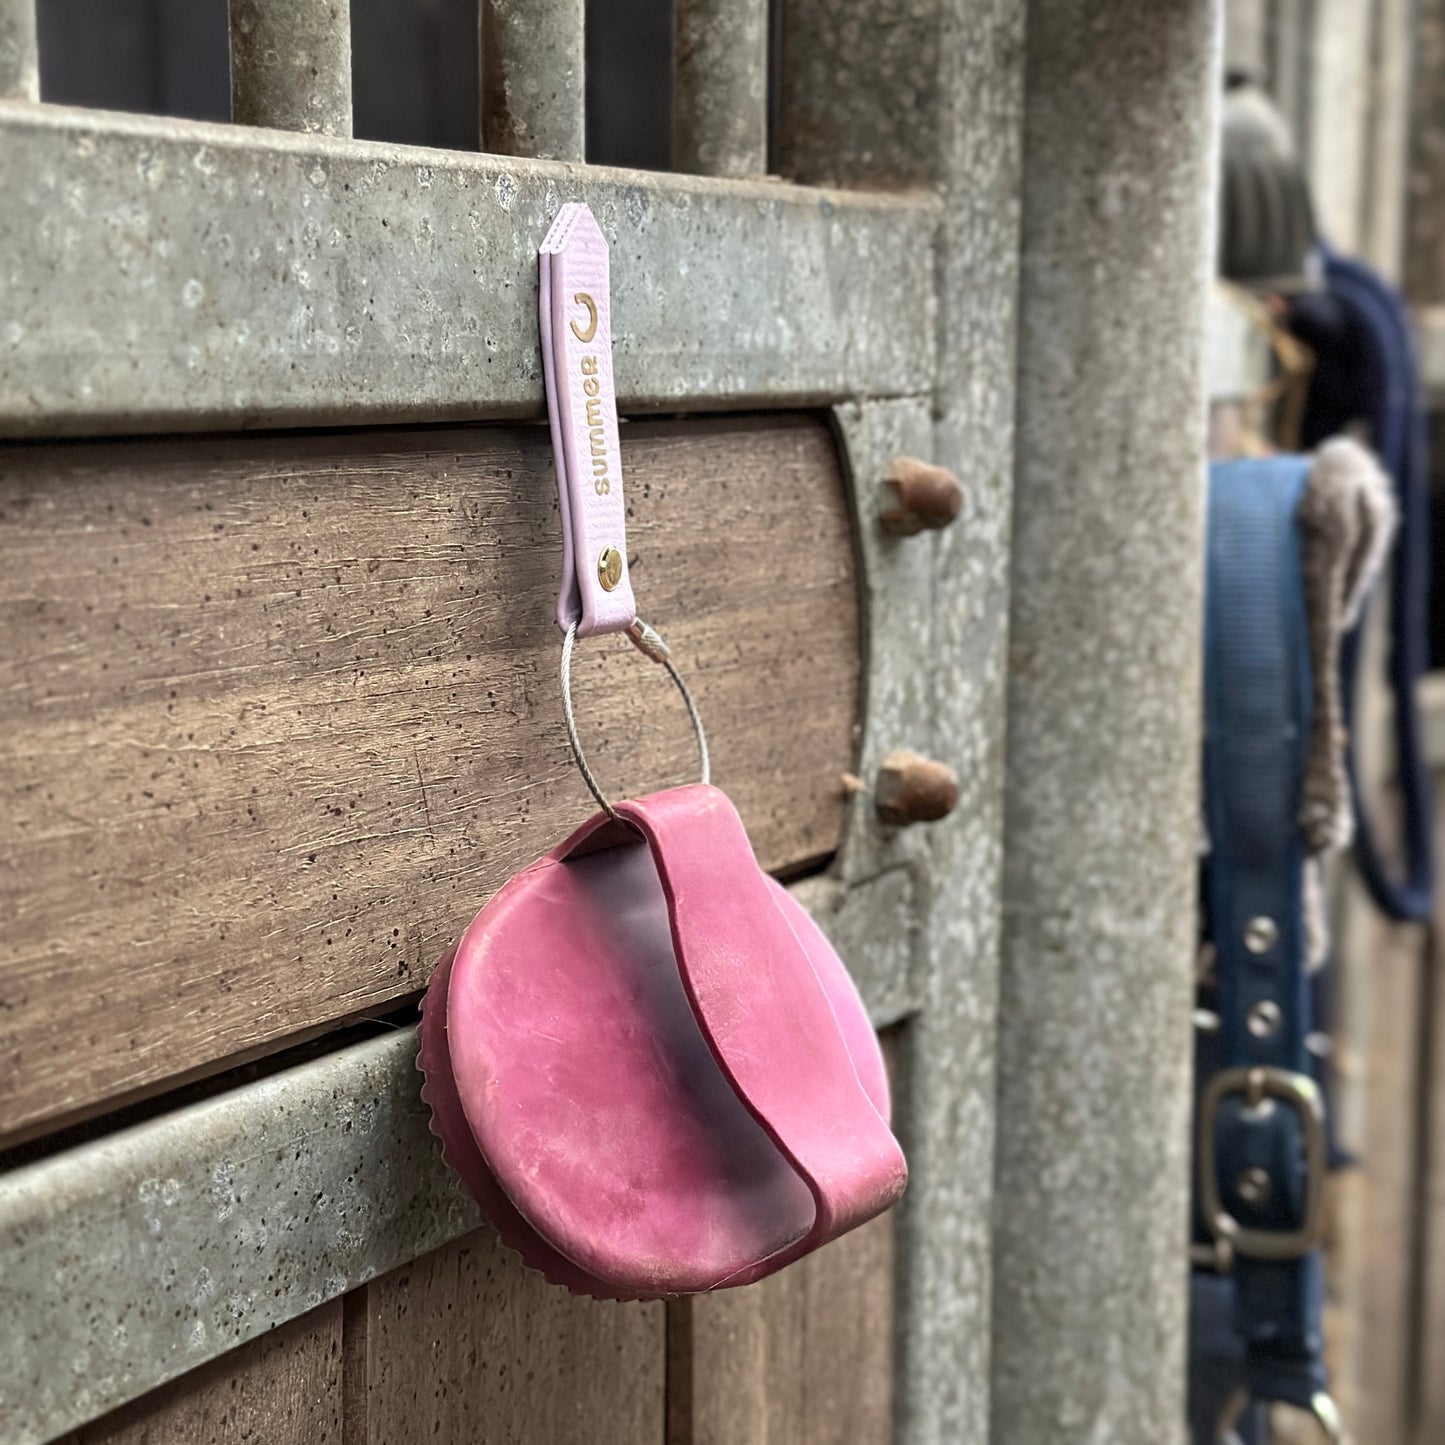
<point x="19" y="58"/>
<point x="1246" y="34"/>
<point x="893" y="94"/>
<point x="1102" y="809"/>
<point x="291" y="65"/>
<point x="1288" y="42"/>
<point x="534" y="100"/>
<point x="720" y="92"/>
<point x="858" y="104"/>
<point x="1336" y="122"/>
<point x="1387" y="164"/>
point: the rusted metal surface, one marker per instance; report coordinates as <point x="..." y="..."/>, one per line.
<point x="1101" y="826"/>
<point x="19" y="59"/>
<point x="720" y="88"/>
<point x="291" y="65"/>
<point x="164" y="275"/>
<point x="913" y="789"/>
<point x="917" y="497"/>
<point x="533" y="96"/>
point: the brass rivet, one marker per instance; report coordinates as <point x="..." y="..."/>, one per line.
<point x="1261" y="934"/>
<point x="1253" y="1186"/>
<point x="609" y="568"/>
<point x="1264" y="1018"/>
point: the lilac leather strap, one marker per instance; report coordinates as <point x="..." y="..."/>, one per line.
<point x="576" y="325"/>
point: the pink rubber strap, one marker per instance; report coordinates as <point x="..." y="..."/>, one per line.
<point x="768" y="1022"/>
<point x="576" y="324"/>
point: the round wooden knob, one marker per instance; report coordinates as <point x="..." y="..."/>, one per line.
<point x="914" y="789"/>
<point x="915" y="496"/>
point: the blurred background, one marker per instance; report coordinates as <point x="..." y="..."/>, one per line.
<point x="1348" y="101"/>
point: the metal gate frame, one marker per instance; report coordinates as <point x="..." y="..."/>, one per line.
<point x="164" y="275"/>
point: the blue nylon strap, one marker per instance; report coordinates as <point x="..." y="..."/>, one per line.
<point x="1257" y="720"/>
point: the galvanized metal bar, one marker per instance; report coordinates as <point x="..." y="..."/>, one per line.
<point x="291" y="65"/>
<point x="1387" y="163"/>
<point x="1102" y="814"/>
<point x="720" y="87"/>
<point x="977" y="159"/>
<point x="284" y="280"/>
<point x="1335" y="143"/>
<point x="19" y="57"/>
<point x="533" y="96"/>
<point x="126" y="1262"/>
<point x="894" y="95"/>
<point x="1246" y="38"/>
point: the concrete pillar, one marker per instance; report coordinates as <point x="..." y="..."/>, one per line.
<point x="1101" y="813"/>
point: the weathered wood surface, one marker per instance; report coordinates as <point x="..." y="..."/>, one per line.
<point x="278" y="714"/>
<point x="1430" y="1351"/>
<point x="1375" y="1247"/>
<point x="281" y="1389"/>
<point x="1430" y="1347"/>
<point x="466" y="1344"/>
<point x="803" y="1358"/>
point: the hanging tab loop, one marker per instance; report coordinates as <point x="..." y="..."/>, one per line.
<point x="575" y="313"/>
<point x="647" y="641"/>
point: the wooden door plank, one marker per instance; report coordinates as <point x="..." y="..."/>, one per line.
<point x="278" y="714"/>
<point x="805" y="1357"/>
<point x="1374" y="1266"/>
<point x="283" y="1388"/>
<point x="466" y="1344"/>
<point x="1430" y="1345"/>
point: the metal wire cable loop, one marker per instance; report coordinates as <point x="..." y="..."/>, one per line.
<point x="651" y="645"/>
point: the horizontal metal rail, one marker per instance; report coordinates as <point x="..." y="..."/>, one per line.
<point x="167" y="275"/>
<point x="127" y="1262"/>
<point x="291" y="65"/>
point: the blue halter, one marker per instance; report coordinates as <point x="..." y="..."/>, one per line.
<point x="1262" y="1148"/>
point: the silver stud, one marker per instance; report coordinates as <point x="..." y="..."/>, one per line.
<point x="1319" y="1044"/>
<point x="1206" y="1021"/>
<point x="1253" y="1185"/>
<point x="1264" y="1018"/>
<point x="1261" y="934"/>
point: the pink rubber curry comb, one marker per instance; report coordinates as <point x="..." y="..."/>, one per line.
<point x="643" y="1057"/>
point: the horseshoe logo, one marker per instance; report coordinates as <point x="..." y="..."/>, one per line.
<point x="583" y="299"/>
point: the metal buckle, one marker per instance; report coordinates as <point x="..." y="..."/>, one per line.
<point x="1257" y="1085"/>
<point x="1323" y="1410"/>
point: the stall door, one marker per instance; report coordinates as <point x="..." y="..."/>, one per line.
<point x="279" y="704"/>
